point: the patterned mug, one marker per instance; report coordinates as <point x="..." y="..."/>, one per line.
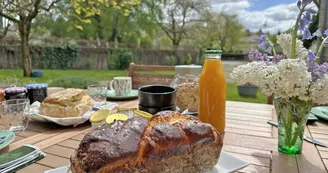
<point x="121" y="85"/>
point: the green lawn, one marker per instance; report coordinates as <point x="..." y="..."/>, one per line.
<point x="105" y="75"/>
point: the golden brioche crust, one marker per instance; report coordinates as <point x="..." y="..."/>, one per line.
<point x="168" y="143"/>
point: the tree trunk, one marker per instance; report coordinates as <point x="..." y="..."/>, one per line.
<point x="99" y="29"/>
<point x="23" y="27"/>
<point x="114" y="29"/>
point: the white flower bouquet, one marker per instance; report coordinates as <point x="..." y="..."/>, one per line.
<point x="294" y="78"/>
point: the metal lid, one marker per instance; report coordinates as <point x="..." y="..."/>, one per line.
<point x="213" y="52"/>
<point x="188" y="69"/>
<point x="37" y="86"/>
<point x="15" y="90"/>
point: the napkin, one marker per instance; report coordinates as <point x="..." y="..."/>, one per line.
<point x="69" y="121"/>
<point x="23" y="162"/>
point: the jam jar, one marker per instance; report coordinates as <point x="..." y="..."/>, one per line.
<point x="37" y="92"/>
<point x="186" y="83"/>
<point x="15" y="93"/>
<point x="2" y="95"/>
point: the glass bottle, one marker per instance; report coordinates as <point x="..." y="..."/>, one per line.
<point x="212" y="91"/>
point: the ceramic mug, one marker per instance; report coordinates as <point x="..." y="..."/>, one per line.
<point x="121" y="85"/>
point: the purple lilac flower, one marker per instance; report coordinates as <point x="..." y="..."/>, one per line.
<point x="317" y="71"/>
<point x="326" y="33"/>
<point x="278" y="58"/>
<point x="308" y="16"/>
<point x="302" y="24"/>
<point x="310" y="10"/>
<point x="317" y="33"/>
<point x="299" y="3"/>
<point x="255" y="55"/>
<point x="262" y="39"/>
<point x="307" y="35"/>
<point x="262" y="45"/>
<point x="269" y="50"/>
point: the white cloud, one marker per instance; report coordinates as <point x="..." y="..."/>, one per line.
<point x="280" y="17"/>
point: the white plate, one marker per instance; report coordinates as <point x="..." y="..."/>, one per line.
<point x="226" y="164"/>
<point x="69" y="121"/>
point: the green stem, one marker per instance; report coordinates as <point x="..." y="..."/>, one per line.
<point x="289" y="129"/>
<point x="294" y="36"/>
<point x="321" y="47"/>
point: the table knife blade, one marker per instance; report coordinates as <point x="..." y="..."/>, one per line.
<point x="311" y="140"/>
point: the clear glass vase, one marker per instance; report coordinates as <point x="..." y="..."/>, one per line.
<point x="292" y="117"/>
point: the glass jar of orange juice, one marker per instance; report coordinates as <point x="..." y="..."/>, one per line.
<point x="212" y="91"/>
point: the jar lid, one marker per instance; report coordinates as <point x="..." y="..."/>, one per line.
<point x="213" y="52"/>
<point x="15" y="90"/>
<point x="188" y="69"/>
<point x="37" y="86"/>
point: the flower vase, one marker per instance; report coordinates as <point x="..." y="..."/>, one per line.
<point x="292" y="116"/>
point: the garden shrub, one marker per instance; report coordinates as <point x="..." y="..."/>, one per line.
<point x="187" y="59"/>
<point x="171" y="60"/>
<point x="60" y="57"/>
<point x="120" y="59"/>
<point x="73" y="82"/>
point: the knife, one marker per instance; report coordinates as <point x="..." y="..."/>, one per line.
<point x="311" y="140"/>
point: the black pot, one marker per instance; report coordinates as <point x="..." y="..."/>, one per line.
<point x="157" y="96"/>
<point x="153" y="111"/>
<point x="247" y="90"/>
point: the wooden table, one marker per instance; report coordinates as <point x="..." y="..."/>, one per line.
<point x="247" y="137"/>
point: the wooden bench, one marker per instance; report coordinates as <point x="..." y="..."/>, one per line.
<point x="146" y="75"/>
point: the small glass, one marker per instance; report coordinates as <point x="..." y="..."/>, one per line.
<point x="13" y="114"/>
<point x="98" y="94"/>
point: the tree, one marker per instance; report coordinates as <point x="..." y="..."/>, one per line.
<point x="85" y="11"/>
<point x="22" y="13"/>
<point x="180" y="14"/>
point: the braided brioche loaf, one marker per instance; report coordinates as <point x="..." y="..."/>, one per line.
<point x="168" y="143"/>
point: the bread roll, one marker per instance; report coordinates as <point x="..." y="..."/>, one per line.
<point x="67" y="103"/>
<point x="168" y="143"/>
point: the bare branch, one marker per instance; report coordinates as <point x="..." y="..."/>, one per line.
<point x="9" y="17"/>
<point x="167" y="31"/>
<point x="50" y="6"/>
<point x="35" y="11"/>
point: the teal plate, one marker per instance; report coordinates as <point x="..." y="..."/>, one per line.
<point x="10" y="136"/>
<point x="312" y="117"/>
<point x="132" y="95"/>
<point x="320" y="112"/>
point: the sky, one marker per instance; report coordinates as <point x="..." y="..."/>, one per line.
<point x="277" y="15"/>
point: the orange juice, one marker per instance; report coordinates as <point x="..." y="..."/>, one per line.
<point x="212" y="91"/>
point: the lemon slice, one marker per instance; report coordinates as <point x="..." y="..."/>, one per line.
<point x="116" y="117"/>
<point x="143" y="114"/>
<point x="100" y="115"/>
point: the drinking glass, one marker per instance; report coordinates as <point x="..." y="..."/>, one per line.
<point x="98" y="94"/>
<point x="13" y="114"/>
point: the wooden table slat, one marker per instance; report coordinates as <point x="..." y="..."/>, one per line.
<point x="74" y="144"/>
<point x="255" y="169"/>
<point x="53" y="161"/>
<point x="248" y="132"/>
<point x="247" y="151"/>
<point x="34" y="168"/>
<point x="283" y="163"/>
<point x="309" y="160"/>
<point x="260" y="161"/>
<point x="59" y="151"/>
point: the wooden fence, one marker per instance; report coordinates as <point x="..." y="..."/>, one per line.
<point x="96" y="58"/>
